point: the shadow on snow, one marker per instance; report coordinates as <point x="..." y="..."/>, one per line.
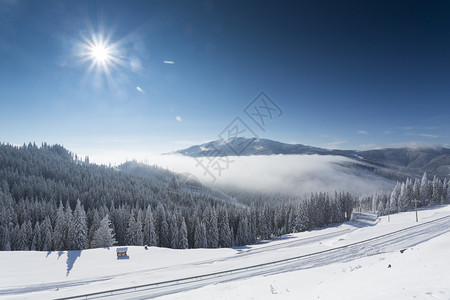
<point x="72" y="256"/>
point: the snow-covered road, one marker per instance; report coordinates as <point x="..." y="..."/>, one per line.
<point x="341" y="251"/>
<point x="160" y="272"/>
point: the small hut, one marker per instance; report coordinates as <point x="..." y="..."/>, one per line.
<point x="121" y="252"/>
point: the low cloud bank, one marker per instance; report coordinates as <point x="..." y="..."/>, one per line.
<point x="292" y="174"/>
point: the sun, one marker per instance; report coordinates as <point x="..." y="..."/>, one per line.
<point x="102" y="55"/>
<point x="100" y="52"/>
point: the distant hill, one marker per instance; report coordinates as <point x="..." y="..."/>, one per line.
<point x="432" y="160"/>
<point x="175" y="182"/>
<point x="435" y="161"/>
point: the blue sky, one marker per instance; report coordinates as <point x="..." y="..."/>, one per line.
<point x="346" y="74"/>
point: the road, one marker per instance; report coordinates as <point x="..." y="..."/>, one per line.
<point x="388" y="242"/>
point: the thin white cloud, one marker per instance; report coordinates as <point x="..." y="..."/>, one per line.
<point x="434" y="136"/>
<point x="362" y="132"/>
<point x="387" y="132"/>
<point x="179" y="119"/>
<point x="140" y="90"/>
<point x="169" y="62"/>
<point x="428" y="135"/>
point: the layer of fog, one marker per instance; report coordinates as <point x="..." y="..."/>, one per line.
<point x="293" y="174"/>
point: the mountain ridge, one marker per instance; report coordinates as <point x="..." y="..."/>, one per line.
<point x="434" y="160"/>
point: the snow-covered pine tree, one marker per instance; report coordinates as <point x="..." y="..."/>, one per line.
<point x="36" y="243"/>
<point x="14" y="237"/>
<point x="416" y="193"/>
<point x="173" y="230"/>
<point x="59" y="232"/>
<point x="77" y="233"/>
<point x="395" y="206"/>
<point x="200" y="240"/>
<point x="46" y="234"/>
<point x="103" y="236"/>
<point x="381" y="208"/>
<point x="5" y="240"/>
<point x="120" y="218"/>
<point x="212" y="230"/>
<point x="95" y="224"/>
<point x="19" y="238"/>
<point x="424" y="190"/>
<point x="27" y="234"/>
<point x="402" y="198"/>
<point x="252" y="225"/>
<point x="149" y="228"/>
<point x="326" y="207"/>
<point x="437" y="191"/>
<point x="409" y="194"/>
<point x="242" y="234"/>
<point x="134" y="232"/>
<point x="161" y="226"/>
<point x="182" y="235"/>
<point x="279" y="219"/>
<point x="345" y="203"/>
<point x="139" y="233"/>
<point x="374" y="202"/>
<point x="225" y="234"/>
<point x="301" y="221"/>
<point x="131" y="231"/>
<point x="445" y="192"/>
<point x="263" y="223"/>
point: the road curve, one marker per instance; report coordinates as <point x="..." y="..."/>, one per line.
<point x="392" y="241"/>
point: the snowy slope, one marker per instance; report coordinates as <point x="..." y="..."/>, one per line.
<point x="337" y="262"/>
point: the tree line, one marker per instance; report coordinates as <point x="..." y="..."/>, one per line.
<point x="407" y="195"/>
<point x="51" y="200"/>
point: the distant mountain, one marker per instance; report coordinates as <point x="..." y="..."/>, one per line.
<point x="255" y="146"/>
<point x="404" y="161"/>
<point x="432" y="160"/>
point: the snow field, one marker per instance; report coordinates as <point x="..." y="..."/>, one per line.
<point x="421" y="271"/>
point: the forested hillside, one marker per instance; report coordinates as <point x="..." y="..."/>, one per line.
<point x="51" y="200"/>
<point x="411" y="194"/>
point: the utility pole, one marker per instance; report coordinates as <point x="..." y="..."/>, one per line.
<point x="389" y="210"/>
<point x="360" y="207"/>
<point x="415" y="207"/>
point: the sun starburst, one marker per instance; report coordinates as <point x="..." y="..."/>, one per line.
<point x="100" y="52"/>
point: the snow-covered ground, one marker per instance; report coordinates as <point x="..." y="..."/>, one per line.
<point x="421" y="272"/>
<point x="331" y="263"/>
